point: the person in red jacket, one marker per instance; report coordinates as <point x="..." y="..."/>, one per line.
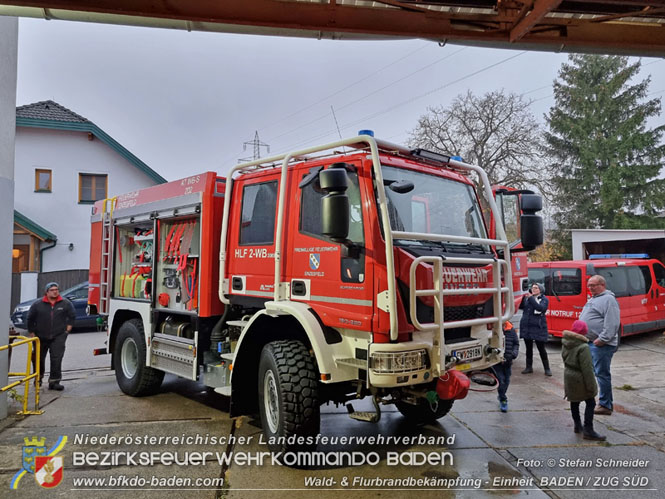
<point x="51" y="319"/>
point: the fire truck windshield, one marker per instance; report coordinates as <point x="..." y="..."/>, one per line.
<point x="435" y="205"/>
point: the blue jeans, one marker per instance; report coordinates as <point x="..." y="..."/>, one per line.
<point x="602" y="358"/>
<point x="502" y="372"/>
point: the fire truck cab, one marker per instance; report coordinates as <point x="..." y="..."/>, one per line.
<point x="357" y="268"/>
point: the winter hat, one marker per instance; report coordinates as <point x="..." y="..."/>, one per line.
<point x="51" y="285"/>
<point x="580" y="327"/>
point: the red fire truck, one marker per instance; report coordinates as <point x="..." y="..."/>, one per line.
<point x="357" y="268"/>
<point x="637" y="281"/>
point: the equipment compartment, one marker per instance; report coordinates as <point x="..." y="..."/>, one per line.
<point x="134" y="261"/>
<point x="177" y="277"/>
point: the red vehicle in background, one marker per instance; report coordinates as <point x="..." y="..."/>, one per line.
<point x="637" y="281"/>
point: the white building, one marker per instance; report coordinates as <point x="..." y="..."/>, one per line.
<point x="588" y="242"/>
<point x="64" y="163"/>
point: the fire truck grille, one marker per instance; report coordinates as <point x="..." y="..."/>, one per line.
<point x="425" y="314"/>
<point x="462" y="313"/>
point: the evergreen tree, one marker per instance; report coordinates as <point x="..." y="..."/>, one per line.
<point x="606" y="161"/>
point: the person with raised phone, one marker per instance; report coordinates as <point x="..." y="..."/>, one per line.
<point x="533" y="327"/>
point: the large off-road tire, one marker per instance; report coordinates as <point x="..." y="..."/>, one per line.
<point x="423" y="413"/>
<point x="288" y="395"/>
<point x="133" y="376"/>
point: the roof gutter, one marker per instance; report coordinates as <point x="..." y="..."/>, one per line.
<point x="183" y="24"/>
<point x="41" y="253"/>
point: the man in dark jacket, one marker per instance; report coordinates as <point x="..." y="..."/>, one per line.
<point x="533" y="327"/>
<point x="51" y="319"/>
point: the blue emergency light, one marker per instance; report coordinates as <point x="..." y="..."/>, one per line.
<point x="618" y="255"/>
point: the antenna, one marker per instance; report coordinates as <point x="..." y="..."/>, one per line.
<point x="336" y="124"/>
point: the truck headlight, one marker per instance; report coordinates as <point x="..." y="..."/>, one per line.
<point x="398" y="362"/>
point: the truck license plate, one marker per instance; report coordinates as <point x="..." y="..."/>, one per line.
<point x="466" y="354"/>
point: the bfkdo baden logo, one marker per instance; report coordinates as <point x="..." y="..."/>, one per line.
<point x="43" y="463"/>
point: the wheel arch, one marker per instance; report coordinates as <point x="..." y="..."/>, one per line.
<point x="119" y="318"/>
<point x="279" y="321"/>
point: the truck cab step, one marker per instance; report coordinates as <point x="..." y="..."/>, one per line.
<point x="369" y="417"/>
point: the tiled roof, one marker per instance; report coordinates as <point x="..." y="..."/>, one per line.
<point x="49" y="110"/>
<point x="49" y="114"/>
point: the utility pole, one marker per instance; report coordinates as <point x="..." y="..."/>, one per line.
<point x="257" y="145"/>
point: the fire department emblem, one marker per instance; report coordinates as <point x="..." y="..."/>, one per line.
<point x="314" y="261"/>
<point x="48" y="471"/>
<point x="43" y="463"/>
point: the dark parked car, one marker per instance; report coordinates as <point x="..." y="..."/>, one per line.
<point x="78" y="295"/>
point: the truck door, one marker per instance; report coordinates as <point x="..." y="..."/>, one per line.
<point x="333" y="277"/>
<point x="251" y="267"/>
<point x="567" y="298"/>
<point x="630" y="288"/>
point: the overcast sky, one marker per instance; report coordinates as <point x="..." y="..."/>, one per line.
<point x="185" y="102"/>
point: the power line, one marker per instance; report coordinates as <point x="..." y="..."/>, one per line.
<point x="535" y="90"/>
<point x="412" y="99"/>
<point x="373" y="92"/>
<point x="427" y="44"/>
<point x="346" y="87"/>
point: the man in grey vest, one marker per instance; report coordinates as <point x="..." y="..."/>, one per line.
<point x="602" y="315"/>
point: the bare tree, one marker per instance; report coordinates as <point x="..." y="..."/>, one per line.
<point x="496" y="131"/>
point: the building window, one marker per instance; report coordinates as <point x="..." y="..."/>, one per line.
<point x="43" y="180"/>
<point x="92" y="187"/>
<point x="20" y="258"/>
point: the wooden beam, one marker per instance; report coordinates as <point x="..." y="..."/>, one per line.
<point x="540" y="9"/>
<point x="31" y="253"/>
<point x="534" y="30"/>
<point x="402" y="5"/>
<point x="638" y="13"/>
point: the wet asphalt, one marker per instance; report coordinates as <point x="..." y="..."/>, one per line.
<point x="475" y="451"/>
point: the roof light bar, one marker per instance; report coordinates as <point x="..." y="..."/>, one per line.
<point x="430" y="155"/>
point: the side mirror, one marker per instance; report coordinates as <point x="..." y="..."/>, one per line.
<point x="531" y="203"/>
<point x="531" y="224"/>
<point x="335" y="207"/>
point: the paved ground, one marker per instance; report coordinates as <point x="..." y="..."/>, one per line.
<point x="529" y="451"/>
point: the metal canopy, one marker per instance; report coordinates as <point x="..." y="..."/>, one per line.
<point x="612" y="26"/>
